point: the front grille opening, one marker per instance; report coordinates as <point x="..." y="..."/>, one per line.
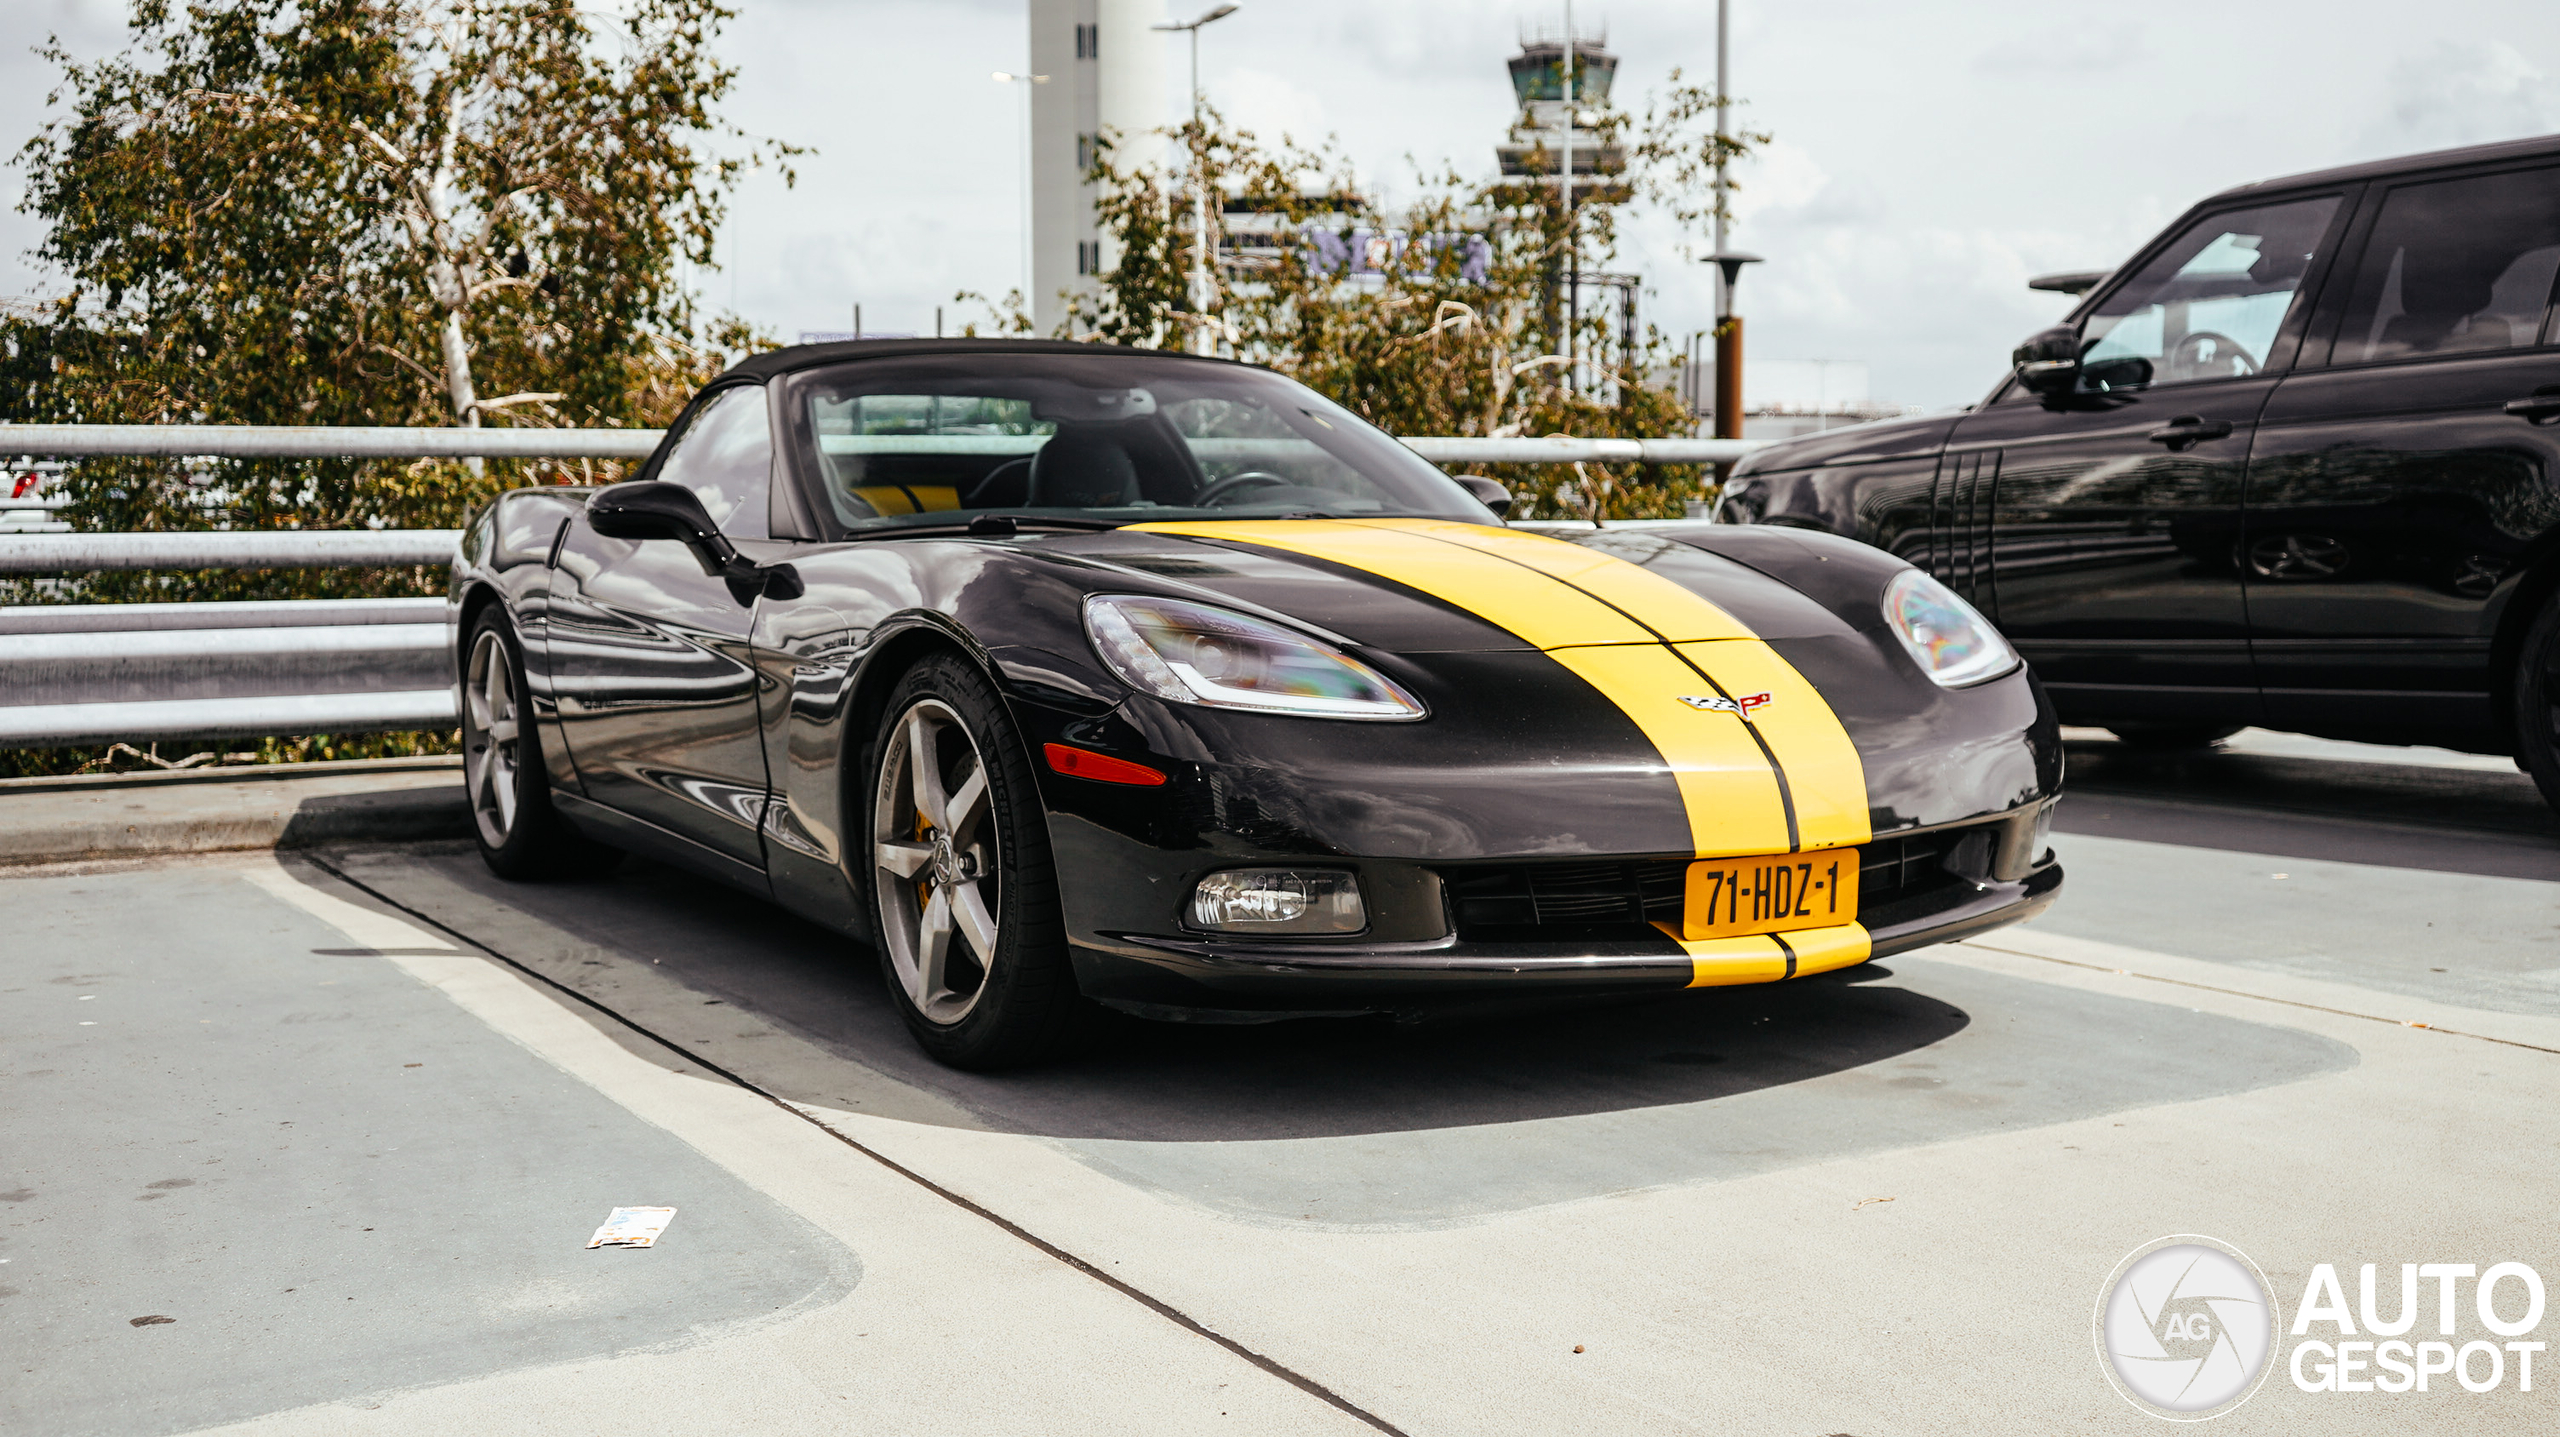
<point x="1622" y="899"/>
<point x="1893" y="869"/>
<point x="1562" y="901"/>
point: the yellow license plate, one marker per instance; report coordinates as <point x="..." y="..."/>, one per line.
<point x="1775" y="893"/>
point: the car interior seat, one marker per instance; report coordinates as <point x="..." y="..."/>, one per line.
<point x="1006" y="485"/>
<point x="1083" y="466"/>
<point x="2438" y="303"/>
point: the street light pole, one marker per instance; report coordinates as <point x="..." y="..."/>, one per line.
<point x="1729" y="348"/>
<point x="1203" y="293"/>
<point x="1564" y="193"/>
<point x="1724" y="296"/>
<point x="1728" y="263"/>
<point x="1024" y="198"/>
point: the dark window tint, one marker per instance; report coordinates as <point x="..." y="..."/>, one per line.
<point x="2211" y="305"/>
<point x="725" y="456"/>
<point x="2456" y="266"/>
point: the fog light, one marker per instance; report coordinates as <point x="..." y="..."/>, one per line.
<point x="1279" y="900"/>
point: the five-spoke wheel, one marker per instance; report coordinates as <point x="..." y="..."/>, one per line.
<point x="964" y="894"/>
<point x="491" y="756"/>
<point x="502" y="770"/>
<point x="934" y="854"/>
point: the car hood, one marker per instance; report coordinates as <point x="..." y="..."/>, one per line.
<point x="1419" y="586"/>
<point x="1874" y="443"/>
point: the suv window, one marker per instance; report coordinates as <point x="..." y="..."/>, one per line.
<point x="725" y="456"/>
<point x="2211" y="305"/>
<point x="2455" y="266"/>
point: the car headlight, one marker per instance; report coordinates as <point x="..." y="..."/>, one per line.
<point x="1194" y="654"/>
<point x="1952" y="643"/>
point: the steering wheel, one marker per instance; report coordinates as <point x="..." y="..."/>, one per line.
<point x="2188" y="355"/>
<point x="1234" y="483"/>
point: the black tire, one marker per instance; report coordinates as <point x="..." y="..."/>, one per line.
<point x="2170" y="736"/>
<point x="520" y="834"/>
<point x="2537" y="695"/>
<point x="968" y="1008"/>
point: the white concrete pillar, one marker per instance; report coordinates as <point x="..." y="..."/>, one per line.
<point x="1106" y="70"/>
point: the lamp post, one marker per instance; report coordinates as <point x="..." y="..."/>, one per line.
<point x="1729" y="345"/>
<point x="1026" y="82"/>
<point x="1202" y="294"/>
<point x="1564" y="197"/>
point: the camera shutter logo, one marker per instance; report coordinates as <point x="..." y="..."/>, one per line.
<point x="2185" y="1327"/>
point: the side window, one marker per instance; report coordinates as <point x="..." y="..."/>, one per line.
<point x="725" y="456"/>
<point x="2455" y="267"/>
<point x="2211" y="305"/>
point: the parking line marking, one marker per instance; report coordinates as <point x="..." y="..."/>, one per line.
<point x="1162" y="1309"/>
<point x="2261" y="997"/>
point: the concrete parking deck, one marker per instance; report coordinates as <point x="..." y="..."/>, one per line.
<point x="1877" y="1202"/>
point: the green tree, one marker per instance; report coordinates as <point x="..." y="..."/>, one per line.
<point x="1453" y="332"/>
<point x="378" y="212"/>
<point x="392" y="212"/>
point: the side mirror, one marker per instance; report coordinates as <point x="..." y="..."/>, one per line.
<point x="2049" y="362"/>
<point x="1489" y="492"/>
<point x="661" y="510"/>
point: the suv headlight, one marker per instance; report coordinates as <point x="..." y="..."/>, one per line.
<point x="1194" y="654"/>
<point x="1952" y="643"/>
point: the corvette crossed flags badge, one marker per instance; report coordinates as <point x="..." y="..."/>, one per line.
<point x="1742" y="704"/>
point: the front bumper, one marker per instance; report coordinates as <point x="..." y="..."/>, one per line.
<point x="1210" y="979"/>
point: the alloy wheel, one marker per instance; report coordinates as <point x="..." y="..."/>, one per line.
<point x="491" y="755"/>
<point x="934" y="846"/>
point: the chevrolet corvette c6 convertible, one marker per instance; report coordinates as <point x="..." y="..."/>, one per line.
<point x="1062" y="675"/>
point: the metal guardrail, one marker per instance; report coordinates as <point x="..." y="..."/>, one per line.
<point x="282" y="441"/>
<point x="82" y="674"/>
<point x="93" y="673"/>
<point x="226" y="549"/>
<point x="300" y="441"/>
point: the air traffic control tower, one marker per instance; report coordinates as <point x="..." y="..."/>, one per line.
<point x="1538" y="138"/>
<point x="1106" y="72"/>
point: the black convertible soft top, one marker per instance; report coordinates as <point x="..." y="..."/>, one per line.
<point x="793" y="358"/>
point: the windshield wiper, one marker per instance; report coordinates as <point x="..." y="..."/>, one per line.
<point x="992" y="526"/>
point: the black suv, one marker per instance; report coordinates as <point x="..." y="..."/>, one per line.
<point x="2296" y="464"/>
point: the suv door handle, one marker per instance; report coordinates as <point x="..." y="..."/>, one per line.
<point x="2544" y="404"/>
<point x="2188" y="429"/>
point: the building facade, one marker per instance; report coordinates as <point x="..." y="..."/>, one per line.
<point x="1106" y="69"/>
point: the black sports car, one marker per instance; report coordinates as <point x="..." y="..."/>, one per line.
<point x="1065" y="675"/>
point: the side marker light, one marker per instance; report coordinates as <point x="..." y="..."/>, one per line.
<point x="1101" y="768"/>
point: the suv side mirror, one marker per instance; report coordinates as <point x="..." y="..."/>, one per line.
<point x="1488" y="492"/>
<point x="2049" y="362"/>
<point x="660" y="509"/>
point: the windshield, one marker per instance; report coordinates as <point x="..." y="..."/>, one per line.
<point x="913" y="441"/>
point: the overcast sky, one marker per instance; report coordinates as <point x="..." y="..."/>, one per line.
<point x="1928" y="158"/>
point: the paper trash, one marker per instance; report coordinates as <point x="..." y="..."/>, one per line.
<point x="632" y="1227"/>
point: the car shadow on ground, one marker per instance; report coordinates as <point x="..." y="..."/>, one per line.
<point x="1361" y="1123"/>
<point x="1167" y="1082"/>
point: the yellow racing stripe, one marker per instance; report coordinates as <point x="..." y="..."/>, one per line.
<point x="1644" y="642"/>
<point x="1732" y="796"/>
<point x="1765" y="957"/>
<point x="1547" y="614"/>
<point x="1819" y="950"/>
<point x="1825" y="777"/>
<point x="1669" y="610"/>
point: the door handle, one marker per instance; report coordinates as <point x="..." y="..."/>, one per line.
<point x="2189" y="429"/>
<point x="2544" y="403"/>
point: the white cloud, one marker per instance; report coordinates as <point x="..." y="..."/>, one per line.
<point x="2464" y="92"/>
<point x="1928" y="158"/>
